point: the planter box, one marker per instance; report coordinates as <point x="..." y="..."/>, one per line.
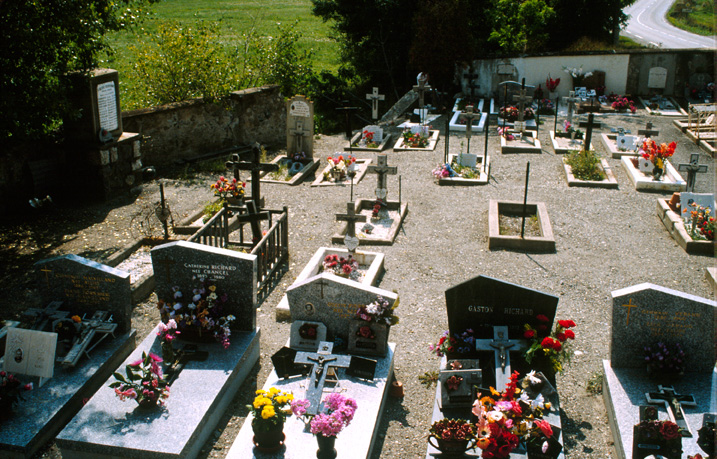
<point x="671" y="181"/>
<point x="357" y="137"/>
<point x="310" y="165"/>
<point x="432" y="140"/>
<point x="520" y="145"/>
<point x="362" y="165"/>
<point x="478" y="123"/>
<point x="563" y="145"/>
<point x="373" y="260"/>
<point x="478" y="109"/>
<point x="676" y="227"/>
<point x="610" y="143"/>
<point x="387" y="235"/>
<point x="544" y="243"/>
<point x="482" y="166"/>
<point x="139" y="265"/>
<point x="609" y="182"/>
<point x="676" y="111"/>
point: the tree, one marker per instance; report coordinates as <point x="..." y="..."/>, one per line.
<point x="520" y="27"/>
<point x="41" y="42"/>
<point x="574" y="19"/>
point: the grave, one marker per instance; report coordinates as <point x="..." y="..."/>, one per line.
<point x="608" y="182"/>
<point x="417" y="137"/>
<point x="661" y="105"/>
<point x="563" y="145"/>
<point x="108" y="427"/>
<point x="82" y="286"/>
<point x="545" y="242"/>
<point x="358" y="169"/>
<point x="459" y="122"/>
<point x="461" y="103"/>
<point x="674" y="220"/>
<point x="480" y="164"/>
<point x="643" y="315"/>
<point x="370" y="138"/>
<point x="641" y="176"/>
<point x="515" y="142"/>
<point x="621" y="144"/>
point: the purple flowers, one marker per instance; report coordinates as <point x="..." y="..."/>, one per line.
<point x="340" y="411"/>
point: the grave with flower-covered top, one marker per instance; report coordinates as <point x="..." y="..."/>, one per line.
<point x="342" y="170"/>
<point x="651" y="170"/>
<point x="209" y="295"/>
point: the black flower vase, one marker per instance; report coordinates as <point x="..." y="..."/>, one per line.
<point x="326" y="447"/>
<point x="657" y="173"/>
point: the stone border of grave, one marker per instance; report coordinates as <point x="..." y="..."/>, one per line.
<point x="564" y="151"/>
<point x="455" y="126"/>
<point x="143" y="286"/>
<point x="505" y="148"/>
<point x="367" y="204"/>
<point x="188" y="226"/>
<point x="530" y="125"/>
<point x="481" y="104"/>
<point x="644" y="183"/>
<point x="481" y="180"/>
<point x="432" y="141"/>
<point x="678" y="112"/>
<point x="362" y="168"/>
<point x="610" y="143"/>
<point x="711" y="276"/>
<point x="710" y="145"/>
<point x="357" y="137"/>
<point x="676" y="227"/>
<point x="543" y="244"/>
<point x="374" y="260"/>
<point x="311" y="165"/>
<point x="609" y="182"/>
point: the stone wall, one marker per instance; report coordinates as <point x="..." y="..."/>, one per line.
<point x="177" y="132"/>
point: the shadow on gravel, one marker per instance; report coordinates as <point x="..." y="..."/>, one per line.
<point x="394" y="411"/>
<point x="573" y="436"/>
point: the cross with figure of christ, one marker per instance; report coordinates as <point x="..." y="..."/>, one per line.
<point x="522" y="97"/>
<point x="673" y="403"/>
<point x="374" y="97"/>
<point x="382" y="169"/>
<point x="322" y="361"/>
<point x="350" y="217"/>
<point x="692" y="169"/>
<point x="299" y="132"/>
<point x="469" y="115"/>
<point x="571" y="100"/>
<point x="256" y="167"/>
<point x="502" y="346"/>
<point x="421" y="89"/>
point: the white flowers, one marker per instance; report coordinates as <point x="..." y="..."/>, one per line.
<point x="577" y="73"/>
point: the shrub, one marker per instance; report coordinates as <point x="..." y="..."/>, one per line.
<point x="584" y="165"/>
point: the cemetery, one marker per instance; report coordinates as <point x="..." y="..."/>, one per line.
<point x="569" y="319"/>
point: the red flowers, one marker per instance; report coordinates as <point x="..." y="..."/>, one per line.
<point x="669" y="430"/>
<point x="551" y="83"/>
<point x="529" y="334"/>
<point x="566" y="323"/>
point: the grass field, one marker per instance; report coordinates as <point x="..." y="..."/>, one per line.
<point x="700" y="20"/>
<point x="235" y="17"/>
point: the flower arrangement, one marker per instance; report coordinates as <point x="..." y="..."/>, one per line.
<point x="657" y="431"/>
<point x="376" y="209"/>
<point x="578" y="74"/>
<point x="11" y="390"/>
<point x="552" y="84"/>
<point x="546" y="107"/>
<point x="664" y="358"/>
<point x="622" y="103"/>
<point x="511" y="113"/>
<point x="379" y="311"/>
<point x="339" y="167"/>
<point x="554" y="346"/>
<point x="700" y="225"/>
<point x="167" y="333"/>
<point x="200" y="311"/>
<point x="144" y="381"/>
<point x="443" y="171"/>
<point x="657" y="154"/>
<point x="228" y="189"/>
<point x="299" y="156"/>
<point x="459" y="343"/>
<point x="308" y="331"/>
<point x="453" y="430"/>
<point x="415" y="140"/>
<point x="270" y="408"/>
<point x="340" y="411"/>
<point x="505" y="132"/>
<point x="345" y="267"/>
<point x="569" y="128"/>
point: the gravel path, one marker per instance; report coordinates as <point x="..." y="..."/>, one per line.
<point x="606" y="240"/>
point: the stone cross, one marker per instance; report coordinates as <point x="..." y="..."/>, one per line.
<point x="469" y="115"/>
<point x="673" y="403"/>
<point x="347" y="112"/>
<point x="321" y="361"/>
<point x="350" y="217"/>
<point x="502" y="346"/>
<point x="588" y="133"/>
<point x="382" y="169"/>
<point x="256" y="167"/>
<point x="648" y="131"/>
<point x="521" y="98"/>
<point x="470" y="77"/>
<point x="692" y="169"/>
<point x="187" y="353"/>
<point x="374" y="97"/>
<point x="44" y="316"/>
<point x="571" y="100"/>
<point x="299" y="132"/>
<point x="253" y="217"/>
<point x="421" y="89"/>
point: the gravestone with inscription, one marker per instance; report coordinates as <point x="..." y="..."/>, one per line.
<point x="644" y="315"/>
<point x="299" y="126"/>
<point x="180" y="264"/>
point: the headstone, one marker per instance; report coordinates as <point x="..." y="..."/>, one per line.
<point x="706" y="200"/>
<point x="468" y="160"/>
<point x="657" y="78"/>
<point x="97" y="97"/>
<point x="644" y="165"/>
<point x="377" y="132"/>
<point x="86" y="286"/>
<point x="456" y="387"/>
<point x="374" y="97"/>
<point x="368" y="338"/>
<point x="645" y="314"/>
<point x="299" y="126"/>
<point x="522" y="97"/>
<point x="596" y="80"/>
<point x="332" y="300"/>
<point x="306" y="335"/>
<point x="626" y="142"/>
<point x="181" y="263"/>
<point x="692" y="169"/>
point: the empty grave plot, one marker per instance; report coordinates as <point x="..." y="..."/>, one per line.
<point x="379" y="230"/>
<point x="538" y="236"/>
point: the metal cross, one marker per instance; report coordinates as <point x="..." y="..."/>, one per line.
<point x="321" y="361"/>
<point x="253" y="217"/>
<point x="44" y="316"/>
<point x="382" y="169"/>
<point x="588" y="133"/>
<point x="374" y="97"/>
<point x="469" y="115"/>
<point x="350" y="217"/>
<point x="470" y="77"/>
<point x="298" y="132"/>
<point x="692" y="169"/>
<point x="522" y="98"/>
<point x="347" y="111"/>
<point x="673" y="403"/>
<point x="256" y="167"/>
<point x="570" y="100"/>
<point x="501" y="346"/>
<point x="99" y="324"/>
<point x="648" y="131"/>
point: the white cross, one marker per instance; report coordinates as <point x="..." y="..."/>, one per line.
<point x="374" y="97"/>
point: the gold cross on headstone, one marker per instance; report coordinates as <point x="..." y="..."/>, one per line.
<point x="47" y="277"/>
<point x="629" y="306"/>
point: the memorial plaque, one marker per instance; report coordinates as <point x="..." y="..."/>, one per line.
<point x="97" y="97"/>
<point x="706" y="200"/>
<point x="657" y="78"/>
<point x="456" y="387"/>
<point x="362" y="368"/>
<point x="368" y="338"/>
<point x="30" y="352"/>
<point x="306" y="335"/>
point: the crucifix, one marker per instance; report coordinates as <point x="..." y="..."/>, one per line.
<point x="256" y="167"/>
<point x="521" y="98"/>
<point x="299" y="132"/>
<point x="347" y="111"/>
<point x="421" y="89"/>
<point x="350" y="217"/>
<point x="571" y="100"/>
<point x="673" y="403"/>
<point x="648" y="131"/>
<point x="382" y="169"/>
<point x="692" y="169"/>
<point x="588" y="133"/>
<point x="469" y="115"/>
<point x="44" y="316"/>
<point x="188" y="353"/>
<point x="253" y="217"/>
<point x="501" y="346"/>
<point x="471" y="84"/>
<point x="98" y="324"/>
<point x="374" y="97"/>
<point x="323" y="363"/>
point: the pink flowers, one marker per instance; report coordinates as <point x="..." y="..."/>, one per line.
<point x="340" y="412"/>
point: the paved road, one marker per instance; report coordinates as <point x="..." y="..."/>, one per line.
<point x="647" y="24"/>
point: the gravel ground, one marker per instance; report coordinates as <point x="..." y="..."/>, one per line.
<point x="606" y="240"/>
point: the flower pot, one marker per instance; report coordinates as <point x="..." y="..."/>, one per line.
<point x="268" y="437"/>
<point x="450" y="448"/>
<point x="657" y="173"/>
<point x="326" y="447"/>
<point x="147" y="403"/>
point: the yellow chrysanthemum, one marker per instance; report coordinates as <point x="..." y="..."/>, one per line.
<point x="268" y="412"/>
<point x="274" y="391"/>
<point x="261" y="401"/>
<point x="280" y="399"/>
<point x="260" y="392"/>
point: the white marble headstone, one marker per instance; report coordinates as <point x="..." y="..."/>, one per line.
<point x="657" y="78"/>
<point x="645" y="166"/>
<point x="626" y="142"/>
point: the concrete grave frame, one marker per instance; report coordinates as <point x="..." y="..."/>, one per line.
<point x="310" y="165"/>
<point x="678" y="111"/>
<point x="676" y="227"/>
<point x="610" y="143"/>
<point x="506" y="147"/>
<point x="455" y="126"/>
<point x="362" y="168"/>
<point x="432" y="140"/>
<point x="193" y="223"/>
<point x="671" y="181"/>
<point x="484" y="169"/>
<point x="543" y="244"/>
<point x="364" y="239"/>
<point x="357" y="137"/>
<point x="562" y="150"/>
<point x="608" y="182"/>
<point x="478" y="109"/>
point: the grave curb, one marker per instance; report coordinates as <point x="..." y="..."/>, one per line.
<point x="299" y="177"/>
<point x="365" y="162"/>
<point x="432" y="141"/>
<point x="563" y="151"/>
<point x="609" y="183"/>
<point x="542" y="244"/>
<point x="456" y="127"/>
<point x="357" y="137"/>
<point x="609" y="141"/>
<point x="642" y="183"/>
<point x="505" y="148"/>
<point x="361" y="204"/>
<point x="676" y="227"/>
<point x="482" y="180"/>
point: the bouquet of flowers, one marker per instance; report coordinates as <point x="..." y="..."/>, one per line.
<point x="504" y="132"/>
<point x="443" y="171"/>
<point x="379" y="311"/>
<point x="578" y="74"/>
<point x="339" y="412"/>
<point x="701" y="225"/>
<point x="657" y="431"/>
<point x="552" y="84"/>
<point x="664" y="358"/>
<point x="345" y="267"/>
<point x="546" y="107"/>
<point x="340" y="165"/>
<point x="569" y="128"/>
<point x="199" y="311"/>
<point x="509" y="113"/>
<point x="11" y="390"/>
<point x="270" y="408"/>
<point x="377" y="206"/>
<point x="453" y="430"/>
<point x="228" y="189"/>
<point x="414" y="140"/>
<point x="144" y="381"/>
<point x="368" y="139"/>
<point x="622" y="103"/>
<point x="554" y="346"/>
<point x="167" y="333"/>
<point x="459" y="343"/>
<point x="657" y="154"/>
